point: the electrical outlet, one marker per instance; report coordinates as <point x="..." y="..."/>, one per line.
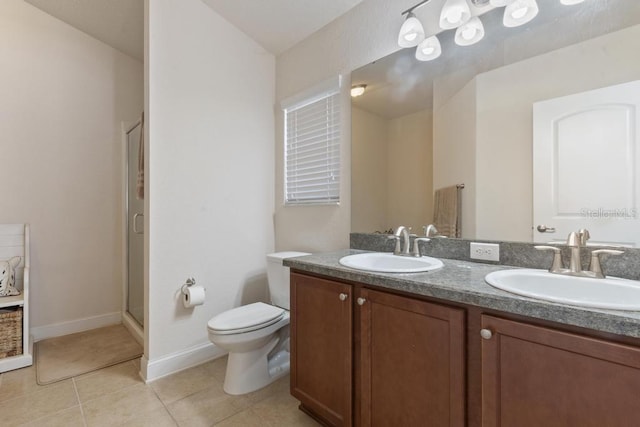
<point x="485" y="251"/>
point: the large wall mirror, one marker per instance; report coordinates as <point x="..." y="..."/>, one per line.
<point x="538" y="122"/>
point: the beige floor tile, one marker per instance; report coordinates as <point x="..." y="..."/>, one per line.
<point x="71" y="417"/>
<point x="207" y="407"/>
<point x="19" y="382"/>
<point x="156" y="418"/>
<point x="184" y="383"/>
<point x="246" y="418"/>
<point x="280" y="385"/>
<point x="38" y="404"/>
<point x="282" y="410"/>
<point x="217" y="368"/>
<point x="136" y="363"/>
<point x="121" y="406"/>
<point x="107" y="380"/>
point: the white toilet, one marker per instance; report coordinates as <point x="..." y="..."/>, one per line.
<point x="257" y="335"/>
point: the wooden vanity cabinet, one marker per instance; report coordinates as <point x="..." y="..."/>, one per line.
<point x="372" y="358"/>
<point x="538" y="376"/>
<point x="398" y="361"/>
<point x="321" y="348"/>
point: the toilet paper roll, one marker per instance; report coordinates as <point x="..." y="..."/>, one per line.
<point x="192" y="296"/>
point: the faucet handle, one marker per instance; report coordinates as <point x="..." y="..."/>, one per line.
<point x="596" y="267"/>
<point x="416" y="248"/>
<point x="556" y="265"/>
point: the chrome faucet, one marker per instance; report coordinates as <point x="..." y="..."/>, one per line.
<point x="430" y="230"/>
<point x="576" y="241"/>
<point x="402" y="232"/>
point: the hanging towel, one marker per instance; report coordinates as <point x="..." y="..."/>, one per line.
<point x="140" y="180"/>
<point x="446" y="211"/>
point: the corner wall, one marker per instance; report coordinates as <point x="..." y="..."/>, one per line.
<point x="210" y="193"/>
<point x="63" y="98"/>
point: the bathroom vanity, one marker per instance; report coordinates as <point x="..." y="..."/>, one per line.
<point x="443" y="348"/>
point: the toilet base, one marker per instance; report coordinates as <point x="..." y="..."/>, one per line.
<point x="251" y="371"/>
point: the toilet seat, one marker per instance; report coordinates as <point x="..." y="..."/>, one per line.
<point x="246" y="318"/>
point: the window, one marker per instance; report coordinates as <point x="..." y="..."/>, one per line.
<point x="312" y="147"/>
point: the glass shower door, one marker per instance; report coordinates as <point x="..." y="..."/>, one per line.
<point x="135" y="230"/>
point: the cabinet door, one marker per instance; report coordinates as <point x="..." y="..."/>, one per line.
<point x="321" y="349"/>
<point x="535" y="376"/>
<point x="412" y="362"/>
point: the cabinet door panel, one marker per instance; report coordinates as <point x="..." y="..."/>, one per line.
<point x="412" y="362"/>
<point x="321" y="347"/>
<point x="535" y="376"/>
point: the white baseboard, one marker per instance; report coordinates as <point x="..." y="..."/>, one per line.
<point x="151" y="370"/>
<point x="79" y="325"/>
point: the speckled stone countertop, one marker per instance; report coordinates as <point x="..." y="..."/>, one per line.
<point x="463" y="282"/>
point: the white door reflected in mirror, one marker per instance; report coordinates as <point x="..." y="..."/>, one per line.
<point x="586" y="156"/>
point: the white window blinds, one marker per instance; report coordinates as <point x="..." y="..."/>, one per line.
<point x="312" y="150"/>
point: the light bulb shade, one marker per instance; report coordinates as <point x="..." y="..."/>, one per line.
<point x="429" y="49"/>
<point x="411" y="32"/>
<point x="454" y="13"/>
<point x="470" y="33"/>
<point x="357" y="90"/>
<point x="520" y="12"/>
<point x="500" y="3"/>
<point x="570" y="2"/>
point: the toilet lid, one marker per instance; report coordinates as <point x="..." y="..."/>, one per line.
<point x="246" y="318"/>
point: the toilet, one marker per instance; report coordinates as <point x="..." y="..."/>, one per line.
<point x="257" y="335"/>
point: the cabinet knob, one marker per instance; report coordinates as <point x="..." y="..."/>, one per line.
<point x="361" y="301"/>
<point x="486" y="334"/>
<point x="343" y="297"/>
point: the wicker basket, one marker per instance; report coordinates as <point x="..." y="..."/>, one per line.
<point x="10" y="332"/>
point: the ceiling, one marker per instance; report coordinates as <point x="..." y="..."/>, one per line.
<point x="118" y="23"/>
<point x="277" y="25"/>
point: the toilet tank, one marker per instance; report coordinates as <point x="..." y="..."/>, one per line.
<point x="278" y="277"/>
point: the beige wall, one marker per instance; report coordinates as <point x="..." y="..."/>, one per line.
<point x="63" y="97"/>
<point x="410" y="171"/>
<point x="369" y="140"/>
<point x="505" y="97"/>
<point x="210" y="202"/>
<point x="454" y="150"/>
<point x="391" y="176"/>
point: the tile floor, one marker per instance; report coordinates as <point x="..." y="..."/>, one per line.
<point x="116" y="396"/>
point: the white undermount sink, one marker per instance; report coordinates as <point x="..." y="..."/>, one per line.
<point x="383" y="262"/>
<point x="610" y="293"/>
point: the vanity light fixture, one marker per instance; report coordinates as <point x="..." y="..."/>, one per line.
<point x="411" y="32"/>
<point x="454" y="13"/>
<point x="519" y="12"/>
<point x="357" y="90"/>
<point x="470" y="33"/>
<point x="429" y="49"/>
<point x="469" y="30"/>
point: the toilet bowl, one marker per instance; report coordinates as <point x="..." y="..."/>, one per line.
<point x="257" y="335"/>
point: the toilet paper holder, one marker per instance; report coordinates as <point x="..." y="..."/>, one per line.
<point x="190" y="282"/>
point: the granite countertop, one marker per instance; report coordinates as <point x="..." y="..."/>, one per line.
<point x="463" y="282"/>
